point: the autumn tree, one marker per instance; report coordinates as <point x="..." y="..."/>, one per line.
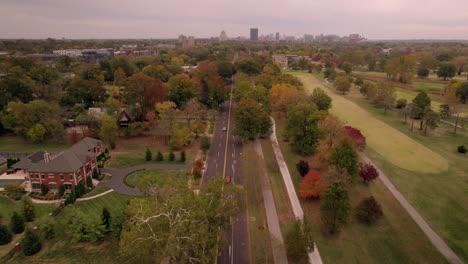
<point x="333" y="129"/>
<point x="302" y="128"/>
<point x="342" y="84"/>
<point x="181" y="89"/>
<point x="87" y="91"/>
<point x="74" y="137"/>
<point x="446" y="70"/>
<point x="335" y="207"/>
<point x="345" y="157"/>
<point x="213" y="89"/>
<point x="431" y="119"/>
<point x="385" y="96"/>
<point x="283" y="96"/>
<point x="312" y="185"/>
<point x="320" y="98"/>
<point x="369" y="211"/>
<point x="143" y="92"/>
<point x="46" y="79"/>
<point x="251" y="120"/>
<point x="167" y="115"/>
<point x="462" y="93"/>
<point x="347" y="67"/>
<point x="401" y="68"/>
<point x="108" y="130"/>
<point x="368" y="172"/>
<point x="157" y="72"/>
<point x="120" y="78"/>
<point x="359" y="140"/>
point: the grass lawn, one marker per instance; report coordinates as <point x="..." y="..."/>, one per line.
<point x="260" y="244"/>
<point x="428" y="86"/>
<point x="18" y="144"/>
<point x="96" y="191"/>
<point x="131" y="152"/>
<point x="134" y="178"/>
<point x="437" y="192"/>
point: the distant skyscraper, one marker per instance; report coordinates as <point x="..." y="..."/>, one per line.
<point x="223" y="36"/>
<point x="277" y="36"/>
<point x="254" y="34"/>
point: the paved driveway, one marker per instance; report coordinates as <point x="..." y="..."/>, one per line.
<point x="118" y="176"/>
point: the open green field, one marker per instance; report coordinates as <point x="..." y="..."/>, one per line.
<point x="260" y="245"/>
<point x="436" y="193"/>
<point x="18" y="144"/>
<point x="428" y="86"/>
<point x="134" y="179"/>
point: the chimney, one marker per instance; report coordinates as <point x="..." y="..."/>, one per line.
<point x="46" y="157"/>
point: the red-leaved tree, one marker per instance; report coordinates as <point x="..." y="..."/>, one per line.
<point x="369" y="211"/>
<point x="368" y="172"/>
<point x="74" y="137"/>
<point x="88" y="133"/>
<point x="359" y="140"/>
<point x="312" y="185"/>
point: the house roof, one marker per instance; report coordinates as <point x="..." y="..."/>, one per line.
<point x="68" y="160"/>
<point x="3" y="160"/>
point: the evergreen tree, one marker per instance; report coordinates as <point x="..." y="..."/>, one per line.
<point x="89" y="182"/>
<point x="44" y="189"/>
<point x="27" y="208"/>
<point x="5" y="235"/>
<point x="182" y="156"/>
<point x="61" y="190"/>
<point x="159" y="156"/>
<point x="171" y="156"/>
<point x="31" y="243"/>
<point x="149" y="155"/>
<point x="17" y="223"/>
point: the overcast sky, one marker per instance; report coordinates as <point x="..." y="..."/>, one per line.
<point x="375" y="19"/>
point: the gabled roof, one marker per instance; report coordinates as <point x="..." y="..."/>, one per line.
<point x="68" y="160"/>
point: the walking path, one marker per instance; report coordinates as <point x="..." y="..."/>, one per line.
<point x="452" y="124"/>
<point x="314" y="256"/>
<point x="436" y="240"/>
<point x="79" y="199"/>
<point x="118" y="176"/>
<point x="277" y="243"/>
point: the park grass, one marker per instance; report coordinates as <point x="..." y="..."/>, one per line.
<point x="428" y="86"/>
<point x="19" y="144"/>
<point x="134" y="179"/>
<point x="435" y="195"/>
<point x="260" y="244"/>
<point x="397" y="147"/>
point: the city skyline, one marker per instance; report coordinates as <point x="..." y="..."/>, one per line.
<point x="395" y="19"/>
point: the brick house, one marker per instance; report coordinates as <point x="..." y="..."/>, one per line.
<point x="67" y="167"/>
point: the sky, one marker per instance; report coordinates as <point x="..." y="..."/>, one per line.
<point x="375" y="19"/>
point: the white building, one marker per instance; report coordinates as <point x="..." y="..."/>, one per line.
<point x="68" y="52"/>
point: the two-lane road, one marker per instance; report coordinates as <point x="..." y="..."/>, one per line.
<point x="224" y="160"/>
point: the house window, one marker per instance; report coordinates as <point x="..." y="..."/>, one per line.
<point x="71" y="176"/>
<point x="42" y="176"/>
<point x="51" y="175"/>
<point x="36" y="185"/>
<point x="61" y="177"/>
<point x="53" y="186"/>
<point x="68" y="186"/>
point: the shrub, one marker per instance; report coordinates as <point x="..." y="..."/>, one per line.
<point x="79" y="190"/>
<point x="96" y="174"/>
<point x="171" y="156"/>
<point x="27" y="208"/>
<point x="17" y="223"/>
<point x="106" y="218"/>
<point x="149" y="155"/>
<point x="197" y="174"/>
<point x="31" y="243"/>
<point x="299" y="240"/>
<point x="5" y="235"/>
<point x="71" y="198"/>
<point x="159" y="156"/>
<point x="15" y="190"/>
<point x="61" y="190"/>
<point x="44" y="189"/>
<point x="182" y="156"/>
<point x="368" y="172"/>
<point x="112" y="145"/>
<point x="401" y="103"/>
<point x="205" y="144"/>
<point x="106" y="151"/>
<point x="461" y="149"/>
<point x="89" y="182"/>
<point x="359" y="140"/>
<point x="369" y="211"/>
<point x="47" y="227"/>
<point x="312" y="185"/>
<point x="303" y="167"/>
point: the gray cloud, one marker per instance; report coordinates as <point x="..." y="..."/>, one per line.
<point x="376" y="19"/>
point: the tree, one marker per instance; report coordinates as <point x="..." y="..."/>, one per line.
<point x="87" y="91"/>
<point x="205" y="144"/>
<point x="401" y="68"/>
<point x="89" y="182"/>
<point x="369" y="211"/>
<point x="181" y="89"/>
<point x="283" y="96"/>
<point x="249" y="65"/>
<point x="106" y="218"/>
<point x="37" y="133"/>
<point x="446" y="70"/>
<point x="312" y="185"/>
<point x="171" y="156"/>
<point x="179" y="138"/>
<point x="385" y="97"/>
<point x="343" y="84"/>
<point x="462" y="93"/>
<point x="157" y="72"/>
<point x="423" y="72"/>
<point x="167" y="114"/>
<point x="303" y="167"/>
<point x="149" y="155"/>
<point x="120" y="78"/>
<point x="347" y="67"/>
<point x="74" y="137"/>
<point x="212" y="87"/>
<point x="321" y="99"/>
<point x="27" y="208"/>
<point x="299" y="241"/>
<point x="143" y="92"/>
<point x="182" y="156"/>
<point x="159" y="156"/>
<point x="359" y="140"/>
<point x="61" y="190"/>
<point x="251" y="120"/>
<point x="431" y="119"/>
<point x="345" y="157"/>
<point x="335" y="207"/>
<point x="302" y="128"/>
<point x="44" y="189"/>
<point x="17" y="223"/>
<point x="14" y="190"/>
<point x="5" y="235"/>
<point x="368" y="172"/>
<point x="31" y="243"/>
<point x="401" y="103"/>
<point x="332" y="127"/>
<point x="108" y="131"/>
<point x="225" y="69"/>
<point x="47" y="227"/>
<point x="420" y="103"/>
<point x="79" y="190"/>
